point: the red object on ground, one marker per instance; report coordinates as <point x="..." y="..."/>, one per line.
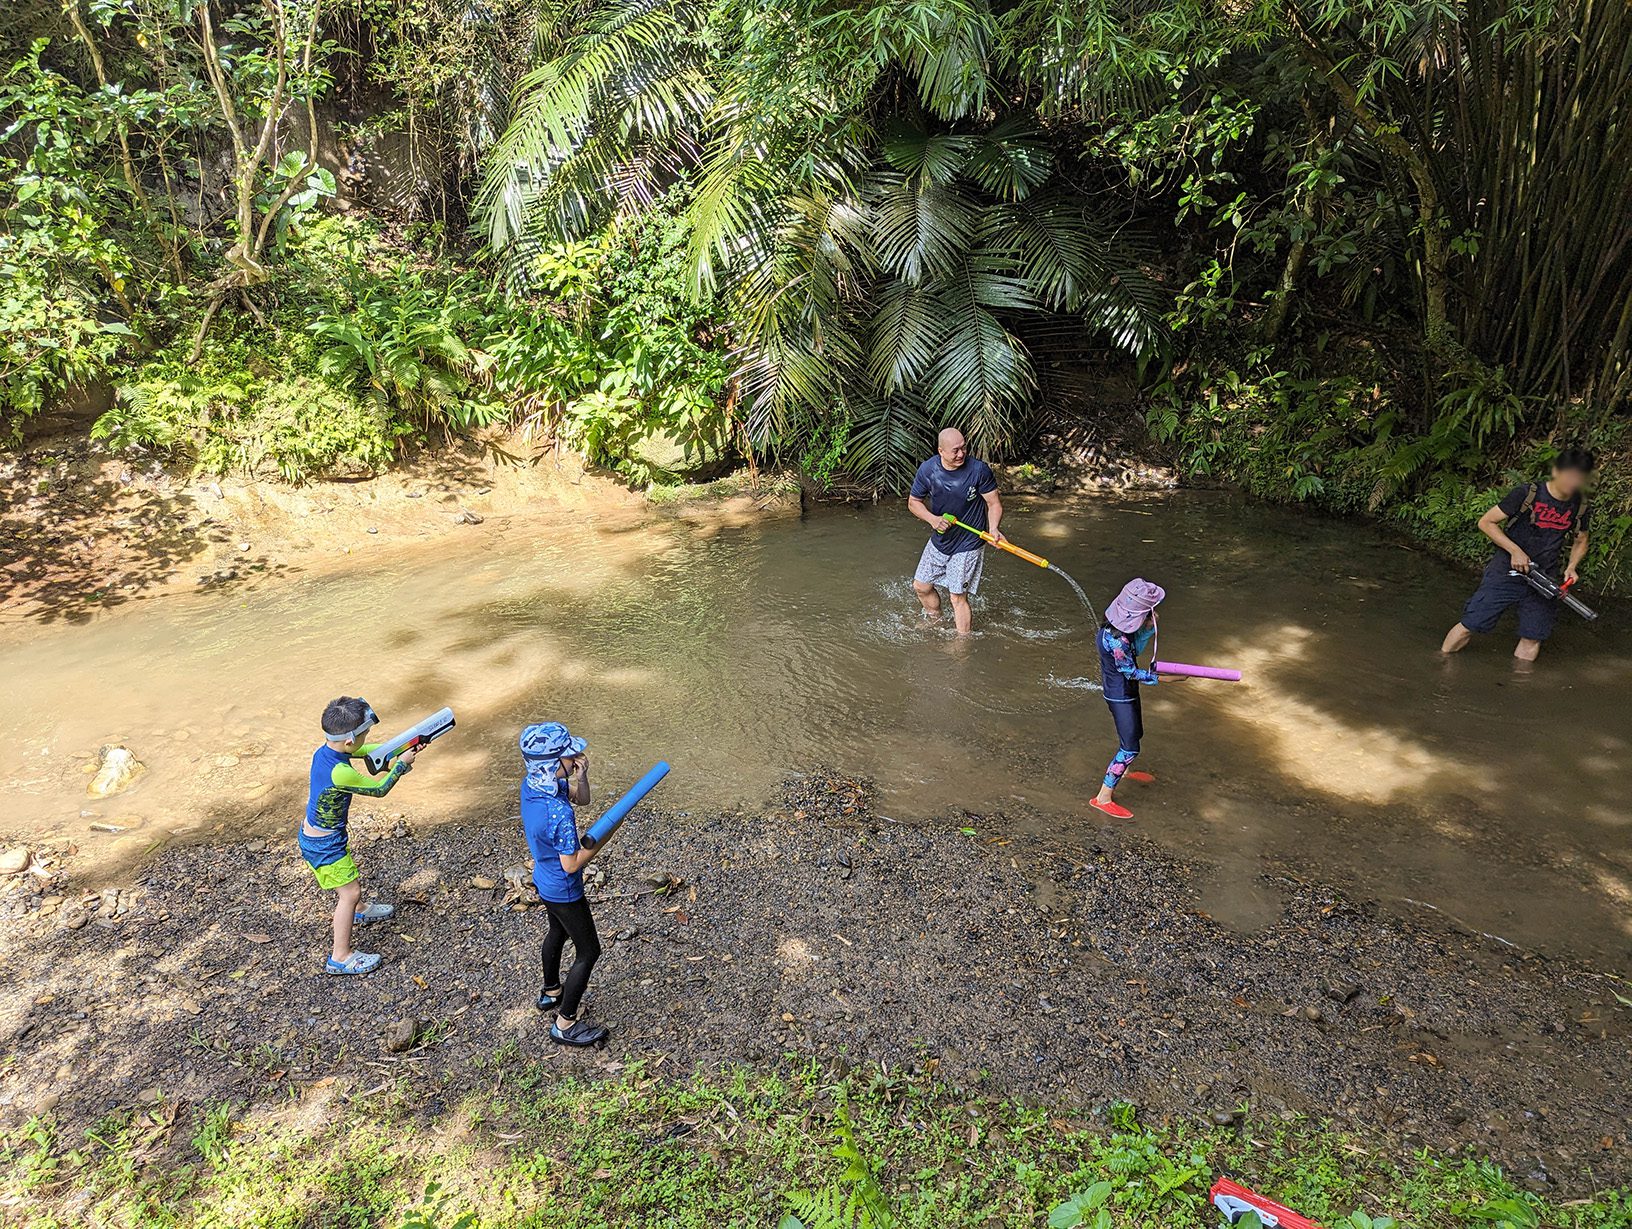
<point x="1112" y="808"/>
<point x="1139" y="776"/>
<point x="1285" y="1217"/>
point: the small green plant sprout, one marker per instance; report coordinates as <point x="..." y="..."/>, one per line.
<point x="1360" y="1220"/>
<point x="1085" y="1209"/>
<point x="214" y="1135"/>
<point x="434" y="1212"/>
<point x="1509" y="1213"/>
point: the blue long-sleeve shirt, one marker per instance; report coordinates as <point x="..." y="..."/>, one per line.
<point x="328" y="806"/>
<point x="1119" y="669"/>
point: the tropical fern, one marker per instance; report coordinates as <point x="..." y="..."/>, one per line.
<point x="878" y="255"/>
<point x="853" y="1200"/>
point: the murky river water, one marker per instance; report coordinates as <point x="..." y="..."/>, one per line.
<point x="1352" y="752"/>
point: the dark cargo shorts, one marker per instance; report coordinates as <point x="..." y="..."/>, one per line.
<point x="1497" y="592"/>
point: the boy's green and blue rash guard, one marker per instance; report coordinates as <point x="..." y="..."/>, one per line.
<point x="328" y="806"/>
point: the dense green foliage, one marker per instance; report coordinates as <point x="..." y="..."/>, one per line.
<point x="1375" y="254"/>
<point x="539" y="1148"/>
<point x="368" y="346"/>
<point x="893" y="198"/>
<point x="192" y="263"/>
<point x="59" y="263"/>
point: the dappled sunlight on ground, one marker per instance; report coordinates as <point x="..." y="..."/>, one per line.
<point x="803" y="930"/>
<point x="1617" y="888"/>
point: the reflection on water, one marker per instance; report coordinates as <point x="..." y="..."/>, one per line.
<point x="1352" y="751"/>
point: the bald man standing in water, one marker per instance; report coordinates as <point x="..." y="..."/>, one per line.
<point x="953" y="481"/>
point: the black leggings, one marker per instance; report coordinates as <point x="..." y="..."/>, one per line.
<point x="570" y="920"/>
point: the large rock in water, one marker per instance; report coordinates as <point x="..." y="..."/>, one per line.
<point x="115" y="770"/>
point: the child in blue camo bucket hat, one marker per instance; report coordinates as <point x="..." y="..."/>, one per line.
<point x="1129" y="627"/>
<point x="556" y="779"/>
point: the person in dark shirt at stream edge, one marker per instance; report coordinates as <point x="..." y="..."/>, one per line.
<point x="953" y="481"/>
<point x="1528" y="525"/>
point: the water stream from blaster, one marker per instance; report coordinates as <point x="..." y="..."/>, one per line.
<point x="1081" y="596"/>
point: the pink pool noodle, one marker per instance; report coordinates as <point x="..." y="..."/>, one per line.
<point x="1198" y="672"/>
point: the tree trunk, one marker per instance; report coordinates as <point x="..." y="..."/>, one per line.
<point x="127" y="163"/>
<point x="1387" y="138"/>
<point x="245" y="258"/>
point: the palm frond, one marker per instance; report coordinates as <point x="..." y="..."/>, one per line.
<point x="791" y="376"/>
<point x="921" y="230"/>
<point x="982" y="375"/>
<point x="799" y="349"/>
<point x="1012" y="159"/>
<point x="630" y="74"/>
<point x="906" y="333"/>
<point x="1074" y="264"/>
<point x="888" y="436"/>
<point x="929" y="158"/>
<point x="946" y="46"/>
<point x="733" y="187"/>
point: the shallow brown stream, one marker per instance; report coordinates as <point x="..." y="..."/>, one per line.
<point x="1352" y="753"/>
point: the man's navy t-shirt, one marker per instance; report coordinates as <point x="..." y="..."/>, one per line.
<point x="1543" y="527"/>
<point x="959" y="492"/>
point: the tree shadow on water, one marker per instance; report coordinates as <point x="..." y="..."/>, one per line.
<point x="80" y="535"/>
<point x="77" y="536"/>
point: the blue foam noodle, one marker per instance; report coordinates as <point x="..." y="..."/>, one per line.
<point x="607" y="824"/>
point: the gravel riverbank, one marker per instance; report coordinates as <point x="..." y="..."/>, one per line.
<point x="1071" y="970"/>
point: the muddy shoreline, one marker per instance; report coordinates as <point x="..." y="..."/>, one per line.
<point x="1071" y="970"/>
<point x="83" y="530"/>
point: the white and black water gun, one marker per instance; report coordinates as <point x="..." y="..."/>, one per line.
<point x="429" y="730"/>
<point x="1548" y="587"/>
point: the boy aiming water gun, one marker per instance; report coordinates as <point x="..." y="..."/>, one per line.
<point x="323" y="840"/>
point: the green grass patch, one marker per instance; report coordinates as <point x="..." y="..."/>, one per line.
<point x="735" y="1148"/>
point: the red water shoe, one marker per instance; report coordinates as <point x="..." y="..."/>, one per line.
<point x="1144" y="777"/>
<point x="1112" y="808"/>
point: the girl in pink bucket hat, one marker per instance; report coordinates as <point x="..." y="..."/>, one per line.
<point x="1129" y="627"/>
